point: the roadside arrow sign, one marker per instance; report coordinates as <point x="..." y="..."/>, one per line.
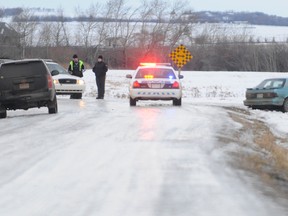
<point x="180" y="56"/>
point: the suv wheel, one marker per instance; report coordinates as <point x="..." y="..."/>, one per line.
<point x="132" y="102"/>
<point x="3" y="112"/>
<point x="52" y="106"/>
<point x="177" y="102"/>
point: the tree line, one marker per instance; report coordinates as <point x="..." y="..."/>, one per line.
<point x="131" y="37"/>
<point x="253" y="18"/>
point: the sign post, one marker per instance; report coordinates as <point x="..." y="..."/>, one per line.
<point x="180" y="56"/>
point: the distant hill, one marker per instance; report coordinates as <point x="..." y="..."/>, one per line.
<point x="253" y="18"/>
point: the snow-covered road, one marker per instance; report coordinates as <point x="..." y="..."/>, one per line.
<point x="104" y="158"/>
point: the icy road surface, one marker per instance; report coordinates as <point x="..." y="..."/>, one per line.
<point x="104" y="158"/>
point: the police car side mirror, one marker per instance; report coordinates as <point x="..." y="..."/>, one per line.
<point x="181" y="76"/>
<point x="54" y="72"/>
<point x="129" y="76"/>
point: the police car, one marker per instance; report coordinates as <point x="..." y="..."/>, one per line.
<point x="65" y="83"/>
<point x="155" y="81"/>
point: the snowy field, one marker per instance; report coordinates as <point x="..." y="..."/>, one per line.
<point x="260" y="33"/>
<point x="105" y="158"/>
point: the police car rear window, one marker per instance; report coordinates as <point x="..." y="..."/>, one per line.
<point x="163" y="73"/>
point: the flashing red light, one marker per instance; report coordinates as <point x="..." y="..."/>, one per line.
<point x="136" y="84"/>
<point x="151" y="64"/>
<point x="175" y="85"/>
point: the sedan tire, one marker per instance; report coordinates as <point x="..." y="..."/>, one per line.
<point x="3" y="112"/>
<point x="285" y="105"/>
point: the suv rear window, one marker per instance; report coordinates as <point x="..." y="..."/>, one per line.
<point x="156" y="73"/>
<point x="17" y="69"/>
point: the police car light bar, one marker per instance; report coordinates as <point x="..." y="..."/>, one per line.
<point x="154" y="64"/>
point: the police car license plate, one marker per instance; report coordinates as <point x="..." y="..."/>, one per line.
<point x="24" y="86"/>
<point x="156" y="85"/>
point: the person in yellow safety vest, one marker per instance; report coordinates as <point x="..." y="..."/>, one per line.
<point x="76" y="66"/>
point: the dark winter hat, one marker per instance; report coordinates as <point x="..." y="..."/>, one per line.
<point x="100" y="57"/>
<point x="75" y="56"/>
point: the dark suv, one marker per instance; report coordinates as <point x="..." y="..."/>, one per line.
<point x="26" y="84"/>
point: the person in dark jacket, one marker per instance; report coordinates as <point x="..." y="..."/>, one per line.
<point x="100" y="68"/>
<point x="76" y="66"/>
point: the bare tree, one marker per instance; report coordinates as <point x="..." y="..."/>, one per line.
<point x="142" y="37"/>
<point x="45" y="38"/>
<point x="23" y="25"/>
<point x="2" y="13"/>
<point x="164" y="24"/>
<point x="102" y="27"/>
<point x="60" y="34"/>
<point x="121" y="30"/>
<point x="270" y="58"/>
<point x="128" y="30"/>
<point x="180" y="26"/>
<point x="86" y="30"/>
<point x="45" y="34"/>
<point x="282" y="54"/>
<point x="116" y="15"/>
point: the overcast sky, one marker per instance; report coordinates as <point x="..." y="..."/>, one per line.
<point x="272" y="7"/>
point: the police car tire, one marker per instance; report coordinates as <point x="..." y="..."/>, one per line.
<point x="132" y="102"/>
<point x="76" y="96"/>
<point x="177" y="102"/>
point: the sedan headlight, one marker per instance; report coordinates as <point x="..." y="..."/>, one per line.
<point x="56" y="81"/>
<point x="80" y="82"/>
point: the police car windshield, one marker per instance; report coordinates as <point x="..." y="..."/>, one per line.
<point x="57" y="67"/>
<point x="165" y="73"/>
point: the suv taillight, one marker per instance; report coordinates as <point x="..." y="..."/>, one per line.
<point x="175" y="85"/>
<point x="50" y="81"/>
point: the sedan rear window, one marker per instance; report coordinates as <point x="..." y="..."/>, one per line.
<point x="272" y="83"/>
<point x="156" y="73"/>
